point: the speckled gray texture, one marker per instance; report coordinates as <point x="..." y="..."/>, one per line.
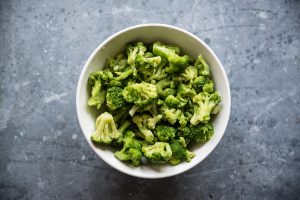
<point x="43" y="47"/>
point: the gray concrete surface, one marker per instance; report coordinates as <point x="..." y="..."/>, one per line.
<point x="43" y="47"/>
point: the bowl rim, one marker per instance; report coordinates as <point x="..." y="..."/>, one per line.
<point x="102" y="44"/>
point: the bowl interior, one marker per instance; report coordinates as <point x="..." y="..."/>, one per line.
<point x="190" y="45"/>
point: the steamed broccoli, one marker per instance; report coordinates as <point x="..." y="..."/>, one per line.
<point x="202" y="66"/>
<point x="179" y="152"/>
<point x="141" y="94"/>
<point x="176" y="63"/>
<point x="197" y="134"/>
<point x="205" y="103"/>
<point x="114" y="98"/>
<point x="98" y="93"/>
<point x="165" y="133"/>
<point x="145" y="122"/>
<point x="133" y="50"/>
<point x="131" y="151"/>
<point x="106" y="130"/>
<point x="160" y="152"/>
<point x="159" y="102"/>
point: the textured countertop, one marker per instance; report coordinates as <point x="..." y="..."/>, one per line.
<point x="43" y="47"/>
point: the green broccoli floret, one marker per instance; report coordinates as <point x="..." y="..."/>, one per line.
<point x="160" y="152"/>
<point x="144" y="62"/>
<point x="179" y="152"/>
<point x="208" y="87"/>
<point x="197" y="134"/>
<point x="121" y="114"/>
<point x="98" y="93"/>
<point x="141" y="94"/>
<point x="165" y="133"/>
<point x="163" y="88"/>
<point x="205" y="103"/>
<point x="170" y="114"/>
<point x="185" y="91"/>
<point x="160" y="71"/>
<point x="106" y="130"/>
<point x="145" y="122"/>
<point x="184" y="118"/>
<point x="131" y="151"/>
<point x="199" y="82"/>
<point x="133" y="50"/>
<point x="176" y="63"/>
<point x="105" y="76"/>
<point x="117" y="64"/>
<point x="114" y="98"/>
<point x="202" y="66"/>
<point x="190" y="73"/>
<point x="172" y="102"/>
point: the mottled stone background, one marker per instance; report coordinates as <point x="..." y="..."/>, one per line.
<point x="43" y="47"/>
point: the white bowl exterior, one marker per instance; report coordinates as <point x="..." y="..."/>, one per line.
<point x="190" y="45"/>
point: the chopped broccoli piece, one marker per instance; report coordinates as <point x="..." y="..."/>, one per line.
<point x="205" y="103"/>
<point x="197" y="134"/>
<point x="179" y="152"/>
<point x="160" y="152"/>
<point x="170" y="114"/>
<point x="131" y="151"/>
<point x="145" y="122"/>
<point x="98" y="93"/>
<point x="199" y="82"/>
<point x="172" y="101"/>
<point x="133" y="50"/>
<point x="165" y="133"/>
<point x="202" y="66"/>
<point x="114" y="98"/>
<point x="106" y="130"/>
<point x="208" y="87"/>
<point x="141" y="94"/>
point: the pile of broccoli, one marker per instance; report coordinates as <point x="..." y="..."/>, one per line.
<point x="158" y="103"/>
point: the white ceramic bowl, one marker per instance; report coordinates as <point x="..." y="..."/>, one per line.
<point x="190" y="45"/>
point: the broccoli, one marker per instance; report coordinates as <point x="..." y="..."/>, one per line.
<point x="172" y="101"/>
<point x="117" y="64"/>
<point x="131" y="151"/>
<point x="145" y="122"/>
<point x="132" y="51"/>
<point x="165" y="133"/>
<point x="141" y="94"/>
<point x="160" y="102"/>
<point x="160" y="152"/>
<point x="205" y="103"/>
<point x="170" y="114"/>
<point x="190" y="73"/>
<point x="114" y="98"/>
<point x="202" y="66"/>
<point x="106" y="130"/>
<point x="197" y="134"/>
<point x="199" y="82"/>
<point x="176" y="63"/>
<point x="98" y="93"/>
<point x="179" y="152"/>
<point x="208" y="87"/>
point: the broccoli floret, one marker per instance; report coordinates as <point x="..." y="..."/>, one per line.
<point x="106" y="130"/>
<point x="179" y="152"/>
<point x="132" y="51"/>
<point x="165" y="133"/>
<point x="141" y="94"/>
<point x="121" y="114"/>
<point x="170" y="114"/>
<point x="185" y="91"/>
<point x="160" y="152"/>
<point x="145" y="122"/>
<point x="176" y="63"/>
<point x="199" y="82"/>
<point x="202" y="66"/>
<point x="117" y="64"/>
<point x="189" y="74"/>
<point x="184" y="118"/>
<point x="205" y="103"/>
<point x="160" y="71"/>
<point x="131" y="151"/>
<point x="114" y="98"/>
<point x="163" y="89"/>
<point x="208" y="87"/>
<point x="105" y="76"/>
<point x="144" y="62"/>
<point x="197" y="134"/>
<point x="98" y="93"/>
<point x="172" y="102"/>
